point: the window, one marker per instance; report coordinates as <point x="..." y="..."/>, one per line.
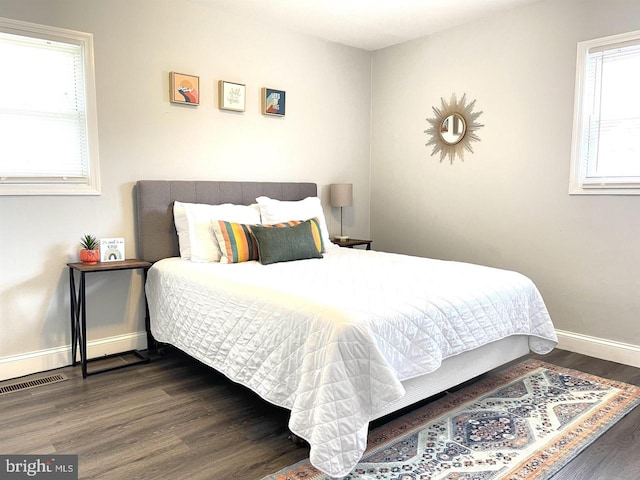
<point x="48" y="122"/>
<point x="605" y="157"/>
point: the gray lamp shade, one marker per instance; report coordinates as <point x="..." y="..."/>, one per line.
<point x="341" y="194"/>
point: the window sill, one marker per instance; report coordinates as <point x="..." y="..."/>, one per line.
<point x="578" y="190"/>
<point x="35" y="189"/>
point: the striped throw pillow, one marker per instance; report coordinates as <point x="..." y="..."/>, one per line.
<point x="236" y="241"/>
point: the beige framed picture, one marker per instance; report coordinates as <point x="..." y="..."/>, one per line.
<point x="231" y="96"/>
<point x="184" y="88"/>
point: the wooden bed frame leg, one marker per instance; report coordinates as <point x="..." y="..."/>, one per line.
<point x="155" y="346"/>
<point x="152" y="344"/>
<point x="300" y="442"/>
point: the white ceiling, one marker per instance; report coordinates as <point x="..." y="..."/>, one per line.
<point x="365" y="24"/>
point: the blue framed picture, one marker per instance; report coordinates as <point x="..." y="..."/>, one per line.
<point x="273" y="102"/>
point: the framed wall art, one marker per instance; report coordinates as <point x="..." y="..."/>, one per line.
<point x="231" y="96"/>
<point x="184" y="88"/>
<point x="273" y="102"/>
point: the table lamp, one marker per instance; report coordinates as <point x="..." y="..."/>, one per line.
<point x="341" y="196"/>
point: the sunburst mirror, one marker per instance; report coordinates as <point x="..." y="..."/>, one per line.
<point x="453" y="128"/>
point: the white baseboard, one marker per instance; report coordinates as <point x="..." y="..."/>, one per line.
<point x="51" y="358"/>
<point x="619" y="352"/>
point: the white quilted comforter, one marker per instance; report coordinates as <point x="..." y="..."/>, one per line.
<point x="331" y="339"/>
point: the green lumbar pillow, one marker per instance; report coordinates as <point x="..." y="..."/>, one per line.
<point x="284" y="244"/>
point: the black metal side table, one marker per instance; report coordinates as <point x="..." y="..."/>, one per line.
<point x="78" y="307"/>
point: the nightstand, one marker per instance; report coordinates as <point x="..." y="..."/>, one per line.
<point x="78" y="307"/>
<point x="352" y="242"/>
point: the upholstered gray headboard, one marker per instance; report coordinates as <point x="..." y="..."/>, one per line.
<point x="157" y="237"/>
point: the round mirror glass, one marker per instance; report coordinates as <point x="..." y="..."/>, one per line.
<point x="452" y="129"/>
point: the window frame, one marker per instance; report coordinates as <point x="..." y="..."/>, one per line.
<point x="578" y="184"/>
<point x="46" y="186"/>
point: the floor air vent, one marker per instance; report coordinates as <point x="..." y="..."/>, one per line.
<point x="38" y="382"/>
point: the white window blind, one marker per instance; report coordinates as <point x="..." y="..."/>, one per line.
<point x="46" y="114"/>
<point x="606" y="151"/>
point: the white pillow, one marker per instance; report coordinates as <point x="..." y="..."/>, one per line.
<point x="203" y="244"/>
<point x="276" y="211"/>
<point x="182" y="227"/>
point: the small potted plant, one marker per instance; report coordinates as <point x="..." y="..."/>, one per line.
<point x="90" y="253"/>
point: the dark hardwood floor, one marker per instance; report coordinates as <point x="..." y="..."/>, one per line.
<point x="177" y="419"/>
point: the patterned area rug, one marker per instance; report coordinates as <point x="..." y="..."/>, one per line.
<point x="524" y="423"/>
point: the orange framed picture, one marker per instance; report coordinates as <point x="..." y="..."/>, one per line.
<point x="184" y="88"/>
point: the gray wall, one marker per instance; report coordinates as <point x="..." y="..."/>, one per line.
<point x="507" y="205"/>
<point x="324" y="138"/>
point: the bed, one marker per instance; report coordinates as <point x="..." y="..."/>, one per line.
<point x="341" y="340"/>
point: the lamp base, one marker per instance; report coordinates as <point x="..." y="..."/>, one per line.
<point x="341" y="238"/>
